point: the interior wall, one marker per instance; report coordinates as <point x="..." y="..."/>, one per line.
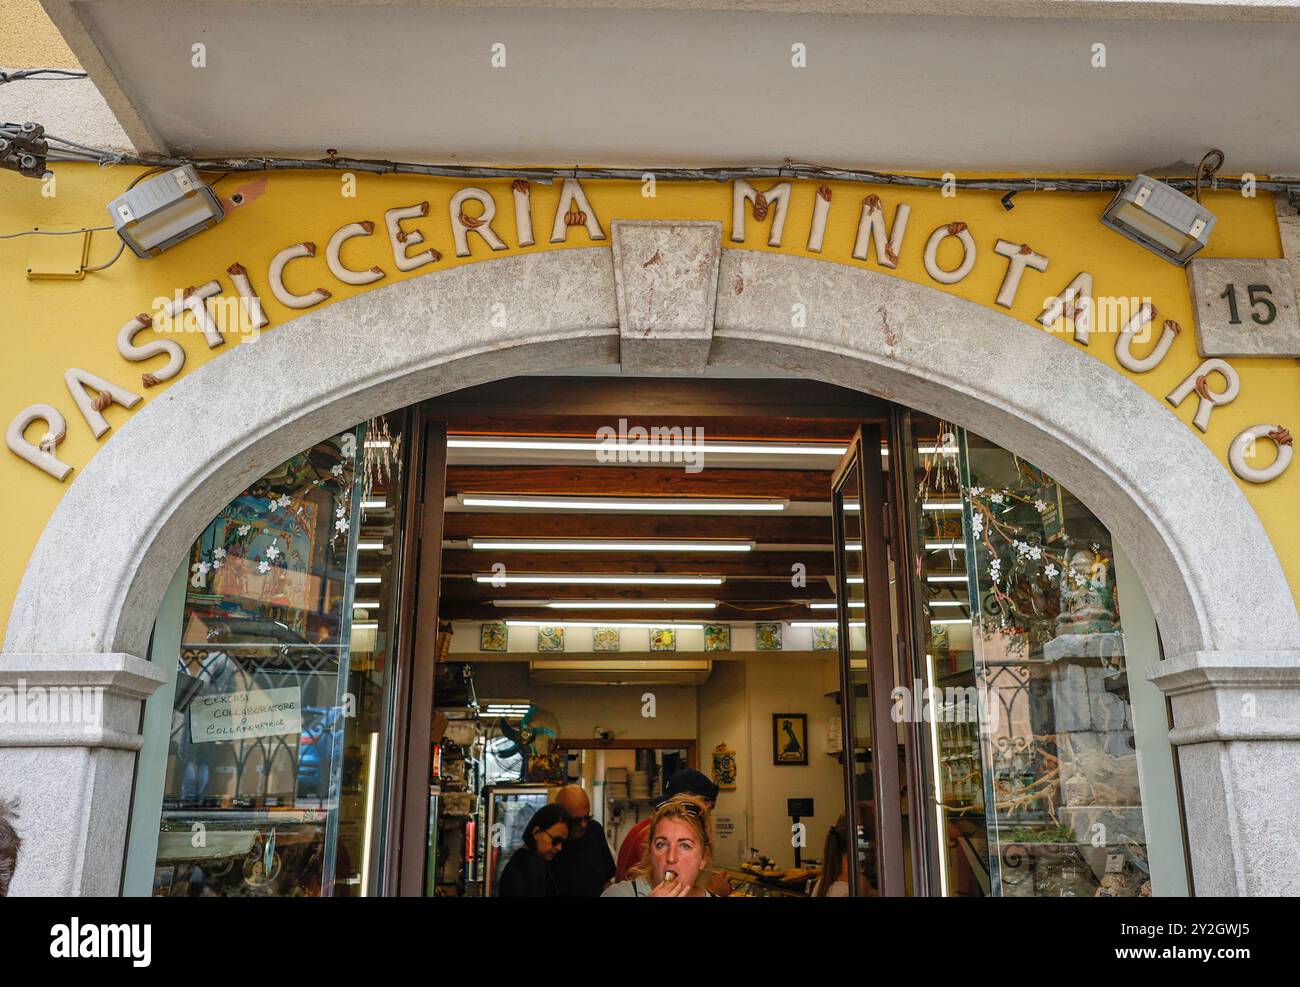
<point x="735" y="707"/>
<point x="582" y="708"/>
<point x="783" y="685"/>
<point x="724" y="719"/>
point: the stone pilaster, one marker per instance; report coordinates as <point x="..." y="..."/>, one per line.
<point x="1237" y="737"/>
<point x="69" y="733"/>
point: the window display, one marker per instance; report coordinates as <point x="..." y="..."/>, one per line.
<point x="1033" y="753"/>
<point x="279" y="712"/>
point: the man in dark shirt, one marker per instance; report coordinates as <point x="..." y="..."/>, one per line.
<point x="586" y="865"/>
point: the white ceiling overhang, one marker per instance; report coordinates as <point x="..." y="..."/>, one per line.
<point x="961" y="86"/>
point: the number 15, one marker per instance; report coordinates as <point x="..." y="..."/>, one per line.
<point x="1255" y="292"/>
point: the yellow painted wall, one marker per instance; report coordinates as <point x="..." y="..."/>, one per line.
<point x="29" y="39"/>
<point x="51" y="326"/>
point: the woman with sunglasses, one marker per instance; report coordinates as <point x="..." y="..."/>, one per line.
<point x="678" y="848"/>
<point x="528" y="872"/>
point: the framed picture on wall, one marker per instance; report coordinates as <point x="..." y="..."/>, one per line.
<point x="789" y="738"/>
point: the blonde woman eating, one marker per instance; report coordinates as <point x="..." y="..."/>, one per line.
<point x="678" y="849"/>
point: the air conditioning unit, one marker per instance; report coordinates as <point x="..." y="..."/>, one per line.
<point x="675" y="671"/>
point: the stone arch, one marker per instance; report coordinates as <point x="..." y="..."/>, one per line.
<point x="95" y="580"/>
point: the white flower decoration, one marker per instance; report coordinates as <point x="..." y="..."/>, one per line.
<point x="337" y="469"/>
<point x="272" y="551"/>
<point x="1035" y="553"/>
<point x="1041" y="505"/>
<point x="341" y="525"/>
<point x="339" y="511"/>
<point x="977" y="524"/>
<point x="244" y="529"/>
<point x="284" y="500"/>
<point x="218" y="553"/>
<point x="995" y="498"/>
<point x="264" y="567"/>
<point x="1050" y="570"/>
<point x="273" y="505"/>
<point x="976" y="491"/>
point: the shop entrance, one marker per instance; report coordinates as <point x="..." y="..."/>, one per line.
<point x="890" y="649"/>
<point x="706" y="513"/>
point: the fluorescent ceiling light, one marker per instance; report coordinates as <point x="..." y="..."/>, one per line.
<point x="610" y="623"/>
<point x="368" y="604"/>
<point x="619" y="445"/>
<point x="504" y="580"/>
<point x="368" y="580"/>
<point x="948" y="603"/>
<point x="598" y="545"/>
<point x="831" y="606"/>
<point x="621" y="504"/>
<point x="950" y="620"/>
<point x="945" y="579"/>
<point x="366" y="625"/>
<point x="936" y="546"/>
<point x="610" y="604"/>
<point x="370" y="546"/>
<point x="941" y="505"/>
<point x="655" y="664"/>
<point x="824" y="623"/>
<point x="926" y="450"/>
<point x="374" y="505"/>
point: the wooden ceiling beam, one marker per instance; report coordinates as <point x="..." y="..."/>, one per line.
<point x="640" y="481"/>
<point x="720" y="614"/>
<point x="467" y="592"/>
<point x="729" y="564"/>
<point x="627" y="397"/>
<point x="575" y="524"/>
<point x="731" y="428"/>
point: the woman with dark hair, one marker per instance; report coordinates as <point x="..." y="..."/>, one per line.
<point x="834" y="882"/>
<point x="9" y="846"/>
<point x="528" y="872"/>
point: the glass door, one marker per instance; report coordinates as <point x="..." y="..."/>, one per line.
<point x="869" y="735"/>
<point x="411" y="770"/>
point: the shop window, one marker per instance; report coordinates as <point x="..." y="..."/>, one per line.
<point x="1040" y="786"/>
<point x="277" y="734"/>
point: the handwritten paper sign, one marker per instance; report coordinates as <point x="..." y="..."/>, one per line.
<point x="240" y="715"/>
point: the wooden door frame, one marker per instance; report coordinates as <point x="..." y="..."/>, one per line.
<point x="911" y="645"/>
<point x="869" y="493"/>
<point x="416" y="654"/>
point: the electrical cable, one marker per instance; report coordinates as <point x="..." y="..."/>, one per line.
<point x="72" y="151"/>
<point x="84" y="229"/>
<point x="101" y="267"/>
<point x="1204" y="170"/>
<point x="54" y="75"/>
